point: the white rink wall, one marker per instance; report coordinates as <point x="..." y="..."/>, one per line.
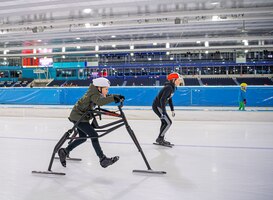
<point x="145" y="113"/>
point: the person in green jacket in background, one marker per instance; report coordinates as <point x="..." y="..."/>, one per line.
<point x="97" y="94"/>
<point x="242" y="96"/>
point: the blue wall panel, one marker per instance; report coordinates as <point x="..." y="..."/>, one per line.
<point x="141" y="96"/>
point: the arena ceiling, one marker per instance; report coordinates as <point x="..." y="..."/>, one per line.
<point x="60" y="27"/>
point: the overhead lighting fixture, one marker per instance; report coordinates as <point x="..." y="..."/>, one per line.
<point x="114" y="45"/>
<point x="78" y="47"/>
<point x="149" y="59"/>
<point x="87" y="10"/>
<point x="154" y="43"/>
<point x="206" y="44"/>
<point x="113" y="36"/>
<point x="215" y="18"/>
<point x="97" y="55"/>
<point x="167" y="53"/>
<point x="245" y="42"/>
<point x="246" y="51"/>
<point x="63" y="56"/>
<point x="132" y="47"/>
<point x="3" y="32"/>
<point x="96" y="47"/>
<point x="167" y="45"/>
<point x="63" y="49"/>
<point x="87" y="25"/>
<point x="78" y="38"/>
<point x="132" y="54"/>
<point x="198" y="42"/>
<point x="39" y="40"/>
<point x="206" y="52"/>
<point x="171" y="58"/>
<point x="34" y="51"/>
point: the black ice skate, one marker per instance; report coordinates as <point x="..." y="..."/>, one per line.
<point x="105" y="162"/>
<point x="160" y="141"/>
<point x="62" y="155"/>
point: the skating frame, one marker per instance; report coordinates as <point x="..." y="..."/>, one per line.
<point x="71" y="135"/>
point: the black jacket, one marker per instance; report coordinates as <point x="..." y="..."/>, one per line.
<point x="164" y="97"/>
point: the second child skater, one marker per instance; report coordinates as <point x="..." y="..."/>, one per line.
<point x="97" y="94"/>
<point x="163" y="98"/>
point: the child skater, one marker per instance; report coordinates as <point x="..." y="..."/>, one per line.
<point x="95" y="95"/>
<point x="242" y="96"/>
<point x="163" y="98"/>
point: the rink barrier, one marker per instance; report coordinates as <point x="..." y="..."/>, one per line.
<point x="259" y="96"/>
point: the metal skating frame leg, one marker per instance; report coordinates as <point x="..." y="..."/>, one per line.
<point x="118" y="124"/>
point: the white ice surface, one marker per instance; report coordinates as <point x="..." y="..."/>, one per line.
<point x="211" y="160"/>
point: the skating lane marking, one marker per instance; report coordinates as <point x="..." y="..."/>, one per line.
<point x="151" y="144"/>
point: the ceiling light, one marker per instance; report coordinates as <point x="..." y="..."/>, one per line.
<point x="198" y="42"/>
<point x="132" y="47"/>
<point x="87" y="10"/>
<point x="167" y="53"/>
<point x="246" y="51"/>
<point x="96" y="48"/>
<point x="132" y="54"/>
<point x="97" y="55"/>
<point x="3" y="32"/>
<point x="154" y="43"/>
<point x="245" y="42"/>
<point x="167" y="45"/>
<point x="39" y="40"/>
<point x="113" y="45"/>
<point x="78" y="47"/>
<point x="87" y="25"/>
<point x="206" y="52"/>
<point x="149" y="59"/>
<point x="113" y="36"/>
<point x="63" y="56"/>
<point x="63" y="49"/>
<point x="78" y="38"/>
<point x="215" y="18"/>
<point x="206" y="44"/>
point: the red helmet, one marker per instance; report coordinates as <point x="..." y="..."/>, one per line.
<point x="172" y="76"/>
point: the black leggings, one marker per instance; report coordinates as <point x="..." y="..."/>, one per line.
<point x="86" y="129"/>
<point x="166" y="122"/>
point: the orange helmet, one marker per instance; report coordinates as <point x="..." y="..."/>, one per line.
<point x="173" y="75"/>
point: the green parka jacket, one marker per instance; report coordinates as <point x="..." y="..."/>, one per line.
<point x="90" y="99"/>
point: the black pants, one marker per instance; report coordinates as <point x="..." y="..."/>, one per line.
<point x="166" y="122"/>
<point x="86" y="129"/>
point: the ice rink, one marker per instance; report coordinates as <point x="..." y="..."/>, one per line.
<point x="218" y="155"/>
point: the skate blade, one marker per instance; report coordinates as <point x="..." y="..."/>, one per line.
<point x="149" y="171"/>
<point x="48" y="172"/>
<point x="68" y="158"/>
<point x="170" y="146"/>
